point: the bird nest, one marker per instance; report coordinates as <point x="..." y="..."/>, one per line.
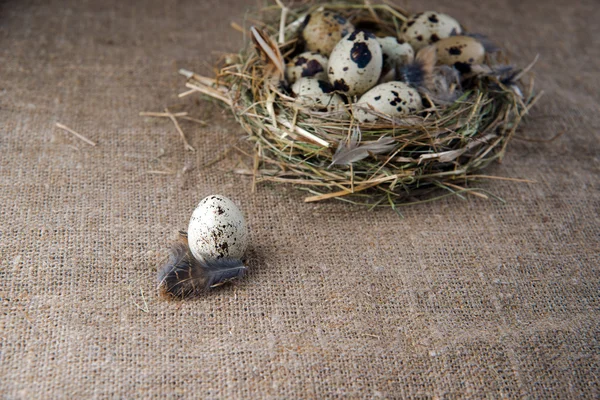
<point x="433" y="153"/>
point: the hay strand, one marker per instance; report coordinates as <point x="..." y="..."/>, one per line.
<point x="78" y="135"/>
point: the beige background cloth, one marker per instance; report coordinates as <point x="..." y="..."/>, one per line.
<point x="459" y="298"/>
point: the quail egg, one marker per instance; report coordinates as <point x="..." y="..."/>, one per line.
<point x="461" y="52"/>
<point x="217" y="229"/>
<point x="355" y="63"/>
<point x="392" y="98"/>
<point x="307" y="65"/>
<point x="323" y="29"/>
<point x="426" y="28"/>
<point x="316" y="93"/>
<point x="395" y="52"/>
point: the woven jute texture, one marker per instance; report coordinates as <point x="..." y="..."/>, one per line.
<point x="459" y="298"/>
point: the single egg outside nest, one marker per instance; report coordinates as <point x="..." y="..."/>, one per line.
<point x="217" y="229"/>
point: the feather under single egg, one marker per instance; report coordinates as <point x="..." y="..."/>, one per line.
<point x="185" y="276"/>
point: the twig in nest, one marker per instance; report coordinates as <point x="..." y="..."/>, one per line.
<point x="284" y="12"/>
<point x="526" y="69"/>
<point x="303" y="132"/>
<point x="356" y="189"/>
<point x="238" y="28"/>
<point x="212" y="92"/>
<point x="462" y="189"/>
<point x="80" y="136"/>
<point x="187" y="93"/>
<point x="500" y="178"/>
<point x="202" y="79"/>
<point x="268" y="50"/>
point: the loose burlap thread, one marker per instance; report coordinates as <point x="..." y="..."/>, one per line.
<point x="459" y="298"/>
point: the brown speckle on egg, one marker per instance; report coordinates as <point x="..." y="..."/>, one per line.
<point x="312" y="68"/>
<point x="361" y="54"/>
<point x="305" y="65"/>
<point x="460" y="52"/>
<point x="340" y="84"/>
<point x="325" y="86"/>
<point x="300" y="61"/>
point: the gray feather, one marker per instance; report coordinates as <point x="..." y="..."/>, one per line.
<point x="350" y="151"/>
<point x="446" y="87"/>
<point x="184" y="276"/>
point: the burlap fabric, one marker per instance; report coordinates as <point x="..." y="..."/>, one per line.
<point x="457" y="299"/>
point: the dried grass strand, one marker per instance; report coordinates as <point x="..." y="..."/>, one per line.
<point x="78" y="135"/>
<point x="174" y="120"/>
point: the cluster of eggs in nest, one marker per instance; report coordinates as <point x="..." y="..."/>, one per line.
<point x="342" y="65"/>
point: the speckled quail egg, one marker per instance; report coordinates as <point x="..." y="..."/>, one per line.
<point x="316" y="93"/>
<point x="426" y="28"/>
<point x="460" y="51"/>
<point x="395" y="52"/>
<point x="217" y="229"/>
<point x="307" y="65"/>
<point x="323" y="29"/>
<point x="392" y="98"/>
<point x="355" y="63"/>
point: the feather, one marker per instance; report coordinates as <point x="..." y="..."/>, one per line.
<point x="184" y="276"/>
<point x="268" y="50"/>
<point x="505" y="75"/>
<point x="349" y="151"/>
<point x="445" y="87"/>
<point x="419" y="73"/>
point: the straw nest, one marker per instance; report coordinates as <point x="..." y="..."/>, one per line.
<point x="427" y="155"/>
